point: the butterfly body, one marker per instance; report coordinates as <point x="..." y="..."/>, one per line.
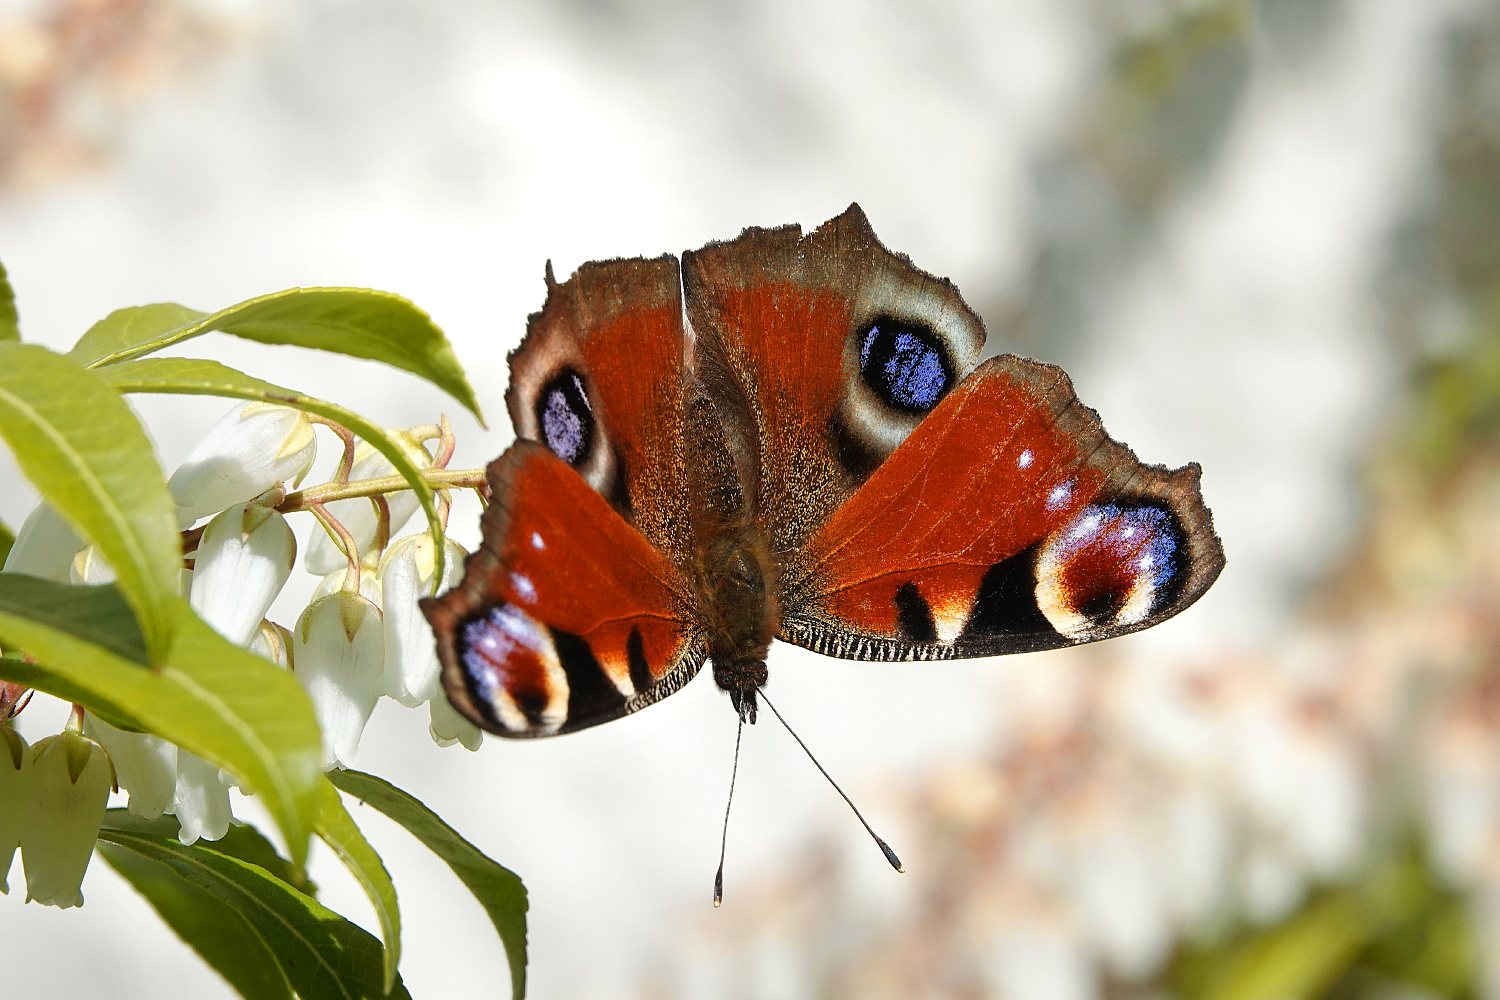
<point x="791" y="436"/>
<point x="735" y="578"/>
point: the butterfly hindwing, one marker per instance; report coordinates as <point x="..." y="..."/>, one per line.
<point x="567" y="616"/>
<point x="1007" y="522"/>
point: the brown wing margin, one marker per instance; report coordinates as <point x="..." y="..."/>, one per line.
<point x="566" y="616"/>
<point x="1007" y="522"/>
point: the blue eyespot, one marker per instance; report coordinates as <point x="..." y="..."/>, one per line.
<point x="1113" y="566"/>
<point x="904" y="364"/>
<point x="565" y="417"/>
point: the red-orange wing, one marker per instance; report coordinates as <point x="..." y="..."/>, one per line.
<point x="1008" y="521"/>
<point x="566" y="617"/>
<point x="600" y="379"/>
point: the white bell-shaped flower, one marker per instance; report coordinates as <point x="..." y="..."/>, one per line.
<point x="145" y="765"/>
<point x="45" y="546"/>
<point x="90" y="568"/>
<point x="406" y="572"/>
<point x="339" y="651"/>
<point x="70" y="783"/>
<point x="359" y="514"/>
<point x="251" y="449"/>
<point x="447" y="727"/>
<point x="242" y="562"/>
<point x="15" y="796"/>
<point x="202" y="799"/>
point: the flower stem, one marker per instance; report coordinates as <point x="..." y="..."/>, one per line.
<point x="472" y="479"/>
<point x="382" y="523"/>
<point x="345" y="435"/>
<point x="345" y="541"/>
<point x="446" y="443"/>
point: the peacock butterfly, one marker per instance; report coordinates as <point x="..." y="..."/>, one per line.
<point x="791" y="436"/>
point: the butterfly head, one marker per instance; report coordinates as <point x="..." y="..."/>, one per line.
<point x="742" y="679"/>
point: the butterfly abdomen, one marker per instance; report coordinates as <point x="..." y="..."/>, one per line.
<point x="737" y="591"/>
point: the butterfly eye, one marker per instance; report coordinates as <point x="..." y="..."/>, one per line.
<point x="1112" y="566"/>
<point x="904" y="364"/>
<point x="565" y="417"/>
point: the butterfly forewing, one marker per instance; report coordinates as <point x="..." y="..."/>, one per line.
<point x="600" y="380"/>
<point x="567" y="616"/>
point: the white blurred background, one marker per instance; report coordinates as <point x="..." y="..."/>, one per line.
<point x="1197" y="206"/>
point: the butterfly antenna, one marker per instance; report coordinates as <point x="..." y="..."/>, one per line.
<point x="885" y="848"/>
<point x="724" y="840"/>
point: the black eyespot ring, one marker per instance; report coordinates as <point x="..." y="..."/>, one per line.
<point x="904" y="364"/>
<point x="565" y="417"/>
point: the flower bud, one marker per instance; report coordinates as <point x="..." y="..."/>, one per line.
<point x="338" y="648"/>
<point x="145" y="765"/>
<point x="272" y="642"/>
<point x="15" y="796"/>
<point x="202" y="799"/>
<point x="90" y="568"/>
<point x="13" y="698"/>
<point x="45" y="546"/>
<point x="448" y="727"/>
<point x="358" y="514"/>
<point x="406" y="572"/>
<point x="242" y="562"/>
<point x="251" y="449"/>
<point x="70" y="783"/>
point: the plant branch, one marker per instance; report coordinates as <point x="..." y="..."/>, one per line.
<point x="438" y="479"/>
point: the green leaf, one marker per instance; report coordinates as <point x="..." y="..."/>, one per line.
<point x="498" y="889"/>
<point x="338" y="830"/>
<point x="97" y="615"/>
<point x="10" y="325"/>
<point x="7" y="539"/>
<point x="77" y="440"/>
<point x="133" y="325"/>
<point x="241" y="841"/>
<point x="321" y="954"/>
<point x="358" y="322"/>
<point x="32" y="675"/>
<point x="210" y="696"/>
<point x="196" y="376"/>
<point x="211" y="927"/>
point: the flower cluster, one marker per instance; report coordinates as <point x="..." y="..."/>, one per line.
<point x="361" y="637"/>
